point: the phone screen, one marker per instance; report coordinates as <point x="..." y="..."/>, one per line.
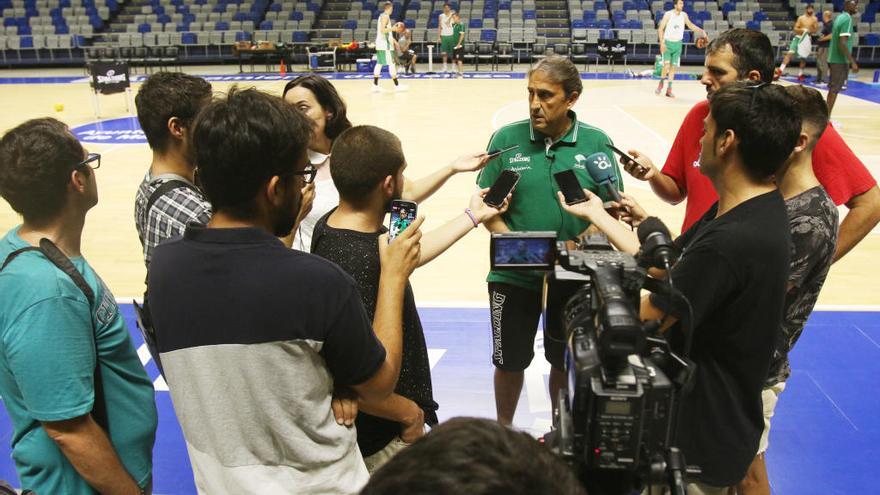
<point x="501" y="188"/>
<point x="403" y="214"/>
<point x="570" y="187"/>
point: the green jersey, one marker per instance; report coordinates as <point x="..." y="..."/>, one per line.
<point x="534" y="206"/>
<point x="457" y="31"/>
<point x="842" y="27"/>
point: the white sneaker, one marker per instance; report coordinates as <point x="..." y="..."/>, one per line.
<point x="401" y="87"/>
<point x="376" y="89"/>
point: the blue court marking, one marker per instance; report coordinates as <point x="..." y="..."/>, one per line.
<point x="123" y="130"/>
<point x="825" y="437"/>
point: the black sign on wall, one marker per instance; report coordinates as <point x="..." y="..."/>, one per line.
<point x="611" y="49"/>
<point x="109" y="77"/>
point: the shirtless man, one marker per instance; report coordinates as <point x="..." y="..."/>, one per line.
<point x="806" y="25"/>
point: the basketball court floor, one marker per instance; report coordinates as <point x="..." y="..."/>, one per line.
<point x="825" y="435"/>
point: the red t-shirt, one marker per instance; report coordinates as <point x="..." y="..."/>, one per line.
<point x="838" y="169"/>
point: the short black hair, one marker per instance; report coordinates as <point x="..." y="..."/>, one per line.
<point x="242" y="141"/>
<point x="329" y="100"/>
<point x="751" y="49"/>
<point x="169" y="94"/>
<point x="814" y="110"/>
<point x="765" y="120"/>
<point x="36" y="159"/>
<point x="475" y="457"/>
<point x="361" y="158"/>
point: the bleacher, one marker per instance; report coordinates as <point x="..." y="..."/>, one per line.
<point x="46" y="32"/>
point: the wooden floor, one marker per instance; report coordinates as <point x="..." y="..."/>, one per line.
<point x="436" y="121"/>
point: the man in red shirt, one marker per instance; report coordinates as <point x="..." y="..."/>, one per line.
<point x="744" y="54"/>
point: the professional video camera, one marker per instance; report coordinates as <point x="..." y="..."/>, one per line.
<point x="616" y="423"/>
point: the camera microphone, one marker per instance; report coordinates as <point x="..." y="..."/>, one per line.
<point x="657" y="249"/>
<point x="601" y="169"/>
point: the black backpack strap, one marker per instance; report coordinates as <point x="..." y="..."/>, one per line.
<point x="63" y="263"/>
<point x="15" y="253"/>
<point x="164" y="188"/>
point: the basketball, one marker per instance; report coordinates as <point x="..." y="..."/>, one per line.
<point x="701" y="42"/>
<point x="399" y="27"/>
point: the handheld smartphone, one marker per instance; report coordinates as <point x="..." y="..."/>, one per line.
<point x="570" y="186"/>
<point x="403" y="214"/>
<point x="501" y="188"/>
<point x="494" y="153"/>
<point x="625" y="155"/>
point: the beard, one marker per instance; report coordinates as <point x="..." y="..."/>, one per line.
<point x="285" y="217"/>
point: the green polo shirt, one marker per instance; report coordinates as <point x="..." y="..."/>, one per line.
<point x="534" y="206"/>
<point x="457" y="31"/>
<point x="842" y="25"/>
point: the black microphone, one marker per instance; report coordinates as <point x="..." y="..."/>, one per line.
<point x="657" y="249"/>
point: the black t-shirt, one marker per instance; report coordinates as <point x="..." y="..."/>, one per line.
<point x="357" y="253"/>
<point x="733" y="270"/>
<point x="826" y="30"/>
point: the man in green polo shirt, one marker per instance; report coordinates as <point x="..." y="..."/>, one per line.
<point x="840" y="57"/>
<point x="551" y="140"/>
<point x="458" y="31"/>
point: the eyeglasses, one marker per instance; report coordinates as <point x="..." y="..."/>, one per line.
<point x="308" y="174"/>
<point x="93" y="161"/>
<point x="755" y="89"/>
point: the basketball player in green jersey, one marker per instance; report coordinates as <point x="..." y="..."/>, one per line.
<point x="385" y="49"/>
<point x="671" y="33"/>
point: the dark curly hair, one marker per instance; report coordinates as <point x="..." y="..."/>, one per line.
<point x="329" y="100"/>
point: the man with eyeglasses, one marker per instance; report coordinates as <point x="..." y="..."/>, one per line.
<point x="733" y="270"/>
<point x="68" y="369"/>
<point x="748" y="55"/>
<point x="254" y="336"/>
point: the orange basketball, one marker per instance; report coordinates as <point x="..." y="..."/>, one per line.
<point x="702" y="42"/>
<point x="399" y="27"/>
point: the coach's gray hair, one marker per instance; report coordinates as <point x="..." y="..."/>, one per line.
<point x="561" y="71"/>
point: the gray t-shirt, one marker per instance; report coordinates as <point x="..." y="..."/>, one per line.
<point x="813" y="219"/>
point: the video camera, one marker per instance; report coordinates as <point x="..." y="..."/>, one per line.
<point x="616" y="422"/>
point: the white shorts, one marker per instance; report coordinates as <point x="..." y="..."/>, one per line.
<point x="770" y="396"/>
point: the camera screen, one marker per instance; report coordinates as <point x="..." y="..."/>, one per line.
<point x="617" y="408"/>
<point x="516" y="252"/>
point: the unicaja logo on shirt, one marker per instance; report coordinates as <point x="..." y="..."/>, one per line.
<point x="517" y="158"/>
<point x="581" y="162"/>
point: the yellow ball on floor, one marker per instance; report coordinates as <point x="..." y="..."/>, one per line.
<point x="59" y="107"/>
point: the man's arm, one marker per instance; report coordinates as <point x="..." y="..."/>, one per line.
<point x="460" y="39"/>
<point x="400" y="409"/>
<point x="421" y="189"/>
<point x="663" y="185"/>
<point x="841" y="45"/>
<point x="398" y="260"/>
<point x="692" y="26"/>
<point x="90" y="452"/>
<point x="437" y="241"/>
<point x="798" y="27"/>
<point x="863" y="216"/>
<point x="660" y="29"/>
<point x="594" y="212"/>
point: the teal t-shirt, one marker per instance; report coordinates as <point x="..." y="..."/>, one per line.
<point x="47" y="364"/>
<point x="534" y="205"/>
<point x="842" y="26"/>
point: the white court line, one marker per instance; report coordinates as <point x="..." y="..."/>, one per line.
<point x="642" y="125"/>
<point x="867" y="336"/>
<point x="831" y="401"/>
<point x="495" y="125"/>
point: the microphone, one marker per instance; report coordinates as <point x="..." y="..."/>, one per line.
<point x="601" y="169"/>
<point x="657" y="249"/>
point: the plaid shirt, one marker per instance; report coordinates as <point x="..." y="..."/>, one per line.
<point x="169" y="215"/>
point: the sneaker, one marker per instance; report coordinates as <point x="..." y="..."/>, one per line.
<point x="777" y="74"/>
<point x="669" y="93"/>
<point x="802" y="78"/>
<point x="400" y="87"/>
<point x="376" y="89"/>
<point x="659" y="88"/>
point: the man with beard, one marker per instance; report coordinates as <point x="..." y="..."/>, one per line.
<point x="747" y="55"/>
<point x="254" y="336"/>
<point x="368" y="165"/>
<point x="552" y="140"/>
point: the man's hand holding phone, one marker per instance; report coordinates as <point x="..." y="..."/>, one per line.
<point x="588" y="210"/>
<point x="641" y="167"/>
<point x="628" y="210"/>
<point x="482" y="211"/>
<point x="400" y="257"/>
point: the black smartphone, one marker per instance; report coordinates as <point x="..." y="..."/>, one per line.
<point x="494" y="153"/>
<point x="403" y="214"/>
<point x="570" y="186"/>
<point x="501" y="188"/>
<point x="624" y="155"/>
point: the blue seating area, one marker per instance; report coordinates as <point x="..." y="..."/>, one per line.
<point x="39" y="32"/>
